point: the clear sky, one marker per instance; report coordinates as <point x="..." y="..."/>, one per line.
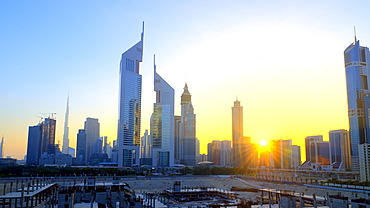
<point x="282" y="59"/>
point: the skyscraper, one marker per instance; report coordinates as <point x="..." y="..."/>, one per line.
<point x="308" y="141"/>
<point x="317" y="153"/>
<point x="188" y="146"/>
<point x="162" y="123"/>
<point x="296" y="156"/>
<point x="41" y="140"/>
<point x="178" y="153"/>
<point x="130" y="105"/>
<point x="2" y="148"/>
<point x="281" y="152"/>
<point x="340" y="149"/>
<point x="220" y="152"/>
<point x="146" y="146"/>
<point x="237" y="132"/>
<point x="357" y="63"/>
<point x="364" y="161"/>
<point x="34" y="145"/>
<point x="65" y="148"/>
<point x="81" y="145"/>
<point x="92" y="130"/>
<point x="225" y="153"/>
<point x="48" y="136"/>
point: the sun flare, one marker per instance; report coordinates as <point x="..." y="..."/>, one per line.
<point x="263" y="142"/>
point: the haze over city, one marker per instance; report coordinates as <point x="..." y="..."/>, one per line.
<point x="282" y="60"/>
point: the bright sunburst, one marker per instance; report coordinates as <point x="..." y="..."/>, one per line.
<point x="263" y="142"/>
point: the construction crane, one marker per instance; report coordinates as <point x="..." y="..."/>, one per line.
<point x="50" y="115"/>
<point x="41" y="118"/>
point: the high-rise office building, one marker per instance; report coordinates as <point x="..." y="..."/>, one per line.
<point x="81" y="145"/>
<point x="308" y="140"/>
<point x="197" y="151"/>
<point x="41" y="140"/>
<point x="2" y="148"/>
<point x="162" y="123"/>
<point x="178" y="153"/>
<point x="48" y="136"/>
<point x="265" y="159"/>
<point x="92" y="131"/>
<point x="225" y="153"/>
<point x="237" y="132"/>
<point x="281" y="153"/>
<point x="129" y="122"/>
<point x="98" y="146"/>
<point x="357" y="63"/>
<point x="249" y="154"/>
<point x="188" y="140"/>
<point x="317" y="153"/>
<point x="364" y="161"/>
<point x="296" y="157"/>
<point x="65" y="148"/>
<point x="214" y="152"/>
<point x="220" y="153"/>
<point x="34" y="145"/>
<point x="209" y="152"/>
<point x="340" y="149"/>
<point x="146" y="146"/>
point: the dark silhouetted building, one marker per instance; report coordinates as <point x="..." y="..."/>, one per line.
<point x="41" y="140"/>
<point x="81" y="146"/>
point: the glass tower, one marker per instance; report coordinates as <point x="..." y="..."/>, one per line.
<point x="41" y="140"/>
<point x="130" y="105"/>
<point x="162" y="123"/>
<point x="357" y="61"/>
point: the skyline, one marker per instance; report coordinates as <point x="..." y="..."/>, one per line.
<point x="52" y="49"/>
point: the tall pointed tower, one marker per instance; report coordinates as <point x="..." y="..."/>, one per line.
<point x="162" y="123"/>
<point x="188" y="144"/>
<point x="66" y="130"/>
<point x="237" y="131"/>
<point x="129" y="122"/>
<point x="357" y="67"/>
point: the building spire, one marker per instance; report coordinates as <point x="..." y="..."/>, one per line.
<point x="186" y="90"/>
<point x="185" y="97"/>
<point x="155" y="66"/>
<point x="142" y="32"/>
<point x="66" y="130"/>
<point x="354" y="29"/>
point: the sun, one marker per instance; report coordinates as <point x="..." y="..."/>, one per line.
<point x="264" y="146"/>
<point x="263" y="142"/>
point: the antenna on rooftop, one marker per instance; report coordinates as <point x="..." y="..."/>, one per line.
<point x="354" y="28"/>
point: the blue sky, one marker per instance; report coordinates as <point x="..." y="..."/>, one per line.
<point x="271" y="54"/>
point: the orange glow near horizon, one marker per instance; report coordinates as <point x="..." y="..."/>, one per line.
<point x="264" y="146"/>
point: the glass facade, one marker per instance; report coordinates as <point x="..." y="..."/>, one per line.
<point x="129" y="122"/>
<point x="162" y="123"/>
<point x="357" y="63"/>
<point x="163" y="159"/>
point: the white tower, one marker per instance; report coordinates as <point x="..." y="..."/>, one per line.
<point x="66" y="130"/>
<point x="162" y="123"/>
